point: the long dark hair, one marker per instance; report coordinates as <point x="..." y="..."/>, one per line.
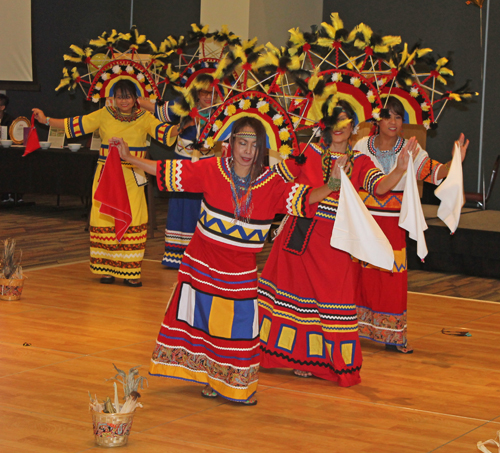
<point x="257" y="126"/>
<point x="342" y="106"/>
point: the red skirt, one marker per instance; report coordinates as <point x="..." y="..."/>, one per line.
<point x="307" y="311"/>
<point x="210" y="331"/>
<point x="382" y="297"/>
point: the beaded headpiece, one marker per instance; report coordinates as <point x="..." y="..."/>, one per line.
<point x="246" y="134"/>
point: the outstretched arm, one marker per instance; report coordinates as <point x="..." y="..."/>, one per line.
<point x="463" y="144"/>
<point x="53" y="122"/>
<point x="389" y="181"/>
<point x="149" y="166"/>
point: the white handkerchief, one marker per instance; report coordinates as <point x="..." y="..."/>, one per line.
<point x="412" y="217"/>
<point x="356" y="232"/>
<point x="451" y="193"/>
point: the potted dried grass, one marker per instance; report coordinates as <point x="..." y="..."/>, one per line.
<point x="113" y="421"/>
<point x="11" y="272"/>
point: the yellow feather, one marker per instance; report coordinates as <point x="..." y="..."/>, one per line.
<point x="313" y="80"/>
<point x="221" y="67"/>
<point x="404" y="54"/>
<point x="195" y="28"/>
<point x="125" y="36"/>
<point x="441" y="62"/>
<point x="422" y="52"/>
<point x="296" y="37"/>
<point x="324" y="42"/>
<point x="266" y="59"/>
<point x="71" y="58"/>
<point x="64" y="82"/>
<point x="442" y="80"/>
<point x="77" y="50"/>
<point x="366" y="31"/>
<point x="249" y="43"/>
<point x="295" y="63"/>
<point x="330" y="30"/>
<point x="391" y="41"/>
<point x="341" y="124"/>
<point x="99" y="42"/>
<point x="205" y="29"/>
<point x="336" y="21"/>
<point x="446" y="71"/>
<point x="153" y="46"/>
<point x="455" y="97"/>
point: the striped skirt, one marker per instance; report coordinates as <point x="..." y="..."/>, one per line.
<point x="210" y="331"/>
<point x="108" y="256"/>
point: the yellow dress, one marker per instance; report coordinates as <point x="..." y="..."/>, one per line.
<point x="107" y="255"/>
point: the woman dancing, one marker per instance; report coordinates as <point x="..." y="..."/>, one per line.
<point x="210" y="333"/>
<point x="382" y="298"/>
<point x="109" y="257"/>
<point x="183" y="208"/>
<point x="307" y="289"/>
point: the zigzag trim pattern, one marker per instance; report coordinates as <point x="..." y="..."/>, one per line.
<point x="204" y="340"/>
<point x="103" y="270"/>
<point x="301" y="300"/>
<point x="309" y="362"/>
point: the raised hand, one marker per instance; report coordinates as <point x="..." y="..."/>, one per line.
<point x="463" y="145"/>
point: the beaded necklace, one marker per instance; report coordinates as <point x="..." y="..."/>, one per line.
<point x="242" y="195"/>
<point x="117" y="115"/>
<point x="326" y="162"/>
<point x="387" y="158"/>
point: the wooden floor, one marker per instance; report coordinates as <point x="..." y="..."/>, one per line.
<point x="60" y="341"/>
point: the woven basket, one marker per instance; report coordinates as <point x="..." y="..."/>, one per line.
<point x="11" y="288"/>
<point x="112" y="430"/>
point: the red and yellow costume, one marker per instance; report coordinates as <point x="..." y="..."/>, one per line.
<point x="382" y="300"/>
<point x="210" y="333"/>
<point x="108" y="256"/>
<point x="306" y="292"/>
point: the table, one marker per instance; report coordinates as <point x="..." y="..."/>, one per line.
<point x="57" y="172"/>
<point x="50" y="171"/>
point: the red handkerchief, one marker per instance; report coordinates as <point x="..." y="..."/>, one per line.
<point x="32" y="144"/>
<point x="112" y="193"/>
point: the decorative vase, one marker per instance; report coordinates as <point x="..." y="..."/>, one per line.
<point x="11" y="288"/>
<point x="112" y="430"/>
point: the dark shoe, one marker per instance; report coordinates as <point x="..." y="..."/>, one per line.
<point x="128" y="282"/>
<point x="402" y="349"/>
<point x="107" y="279"/>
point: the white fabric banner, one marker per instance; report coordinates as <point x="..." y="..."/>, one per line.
<point x="355" y="231"/>
<point x="412" y="217"/>
<point x="451" y="193"/>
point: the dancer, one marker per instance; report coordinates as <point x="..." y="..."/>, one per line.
<point x="183" y="208"/>
<point x="382" y="298"/>
<point x="306" y="292"/>
<point x="108" y="257"/>
<point x="210" y="331"/>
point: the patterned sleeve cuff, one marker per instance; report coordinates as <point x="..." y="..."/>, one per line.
<point x="297" y="203"/>
<point x="161" y="112"/>
<point x="73" y="127"/>
<point x="169" y="175"/>
<point x="372" y="180"/>
<point x="283" y="170"/>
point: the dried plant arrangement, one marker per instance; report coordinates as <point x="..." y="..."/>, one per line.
<point x="10" y="268"/>
<point x="131" y="383"/>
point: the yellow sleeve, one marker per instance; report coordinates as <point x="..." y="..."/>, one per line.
<point x="81" y="125"/>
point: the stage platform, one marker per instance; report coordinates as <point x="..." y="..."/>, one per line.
<point x="63" y="337"/>
<point x="474" y="249"/>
